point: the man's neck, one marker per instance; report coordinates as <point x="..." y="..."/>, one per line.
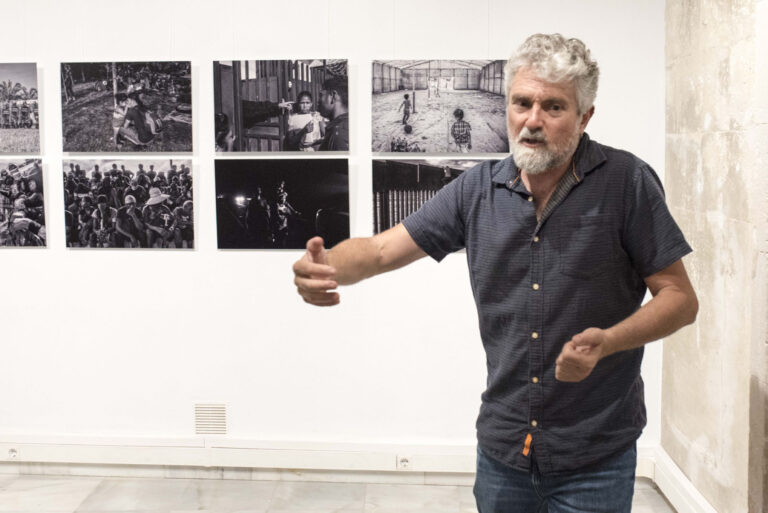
<point x="338" y="111"/>
<point x="542" y="185"/>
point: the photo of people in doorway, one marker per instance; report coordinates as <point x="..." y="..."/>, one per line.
<point x="126" y="107"/>
<point x="19" y="112"/>
<point x="281" y="204"/>
<point x="439" y="106"/>
<point x="285" y="105"/>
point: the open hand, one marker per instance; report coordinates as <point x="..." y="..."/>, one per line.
<point x="314" y="278"/>
<point x="580" y="355"/>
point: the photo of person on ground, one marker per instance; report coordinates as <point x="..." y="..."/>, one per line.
<point x="563" y="239"/>
<point x="127" y="106"/>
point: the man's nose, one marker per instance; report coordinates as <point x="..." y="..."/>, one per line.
<point x="535" y="118"/>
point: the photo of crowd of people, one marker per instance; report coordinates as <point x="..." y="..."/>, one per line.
<point x="281" y="105"/>
<point x="19" y="111"/>
<point x="22" y="203"/>
<point x="129" y="204"/>
<point x="127" y="106"/>
<point x="280" y="204"/>
<point x="439" y="106"/>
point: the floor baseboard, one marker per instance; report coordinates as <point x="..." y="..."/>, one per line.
<point x="207" y="458"/>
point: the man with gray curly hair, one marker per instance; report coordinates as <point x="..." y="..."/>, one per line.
<point x="555" y="60"/>
<point x="563" y="240"/>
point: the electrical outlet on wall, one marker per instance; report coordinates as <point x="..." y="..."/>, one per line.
<point x="403" y="462"/>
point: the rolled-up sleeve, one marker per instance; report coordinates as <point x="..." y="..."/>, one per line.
<point x="438" y="227"/>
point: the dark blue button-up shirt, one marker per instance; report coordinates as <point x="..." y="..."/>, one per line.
<point x="539" y="282"/>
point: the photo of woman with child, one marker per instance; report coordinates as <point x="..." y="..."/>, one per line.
<point x="288" y="105"/>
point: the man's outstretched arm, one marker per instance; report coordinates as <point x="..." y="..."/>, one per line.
<point x="320" y="271"/>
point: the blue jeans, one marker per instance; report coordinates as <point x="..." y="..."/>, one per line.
<point x="605" y="488"/>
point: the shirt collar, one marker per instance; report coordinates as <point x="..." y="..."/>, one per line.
<point x="588" y="156"/>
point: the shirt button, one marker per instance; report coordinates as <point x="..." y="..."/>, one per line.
<point x="530" y="198"/>
<point x="535" y="379"/>
<point x="535" y="286"/>
<point x="534" y="423"/>
<point x="535" y="334"/>
<point x="536" y="239"/>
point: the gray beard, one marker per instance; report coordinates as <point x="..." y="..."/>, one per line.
<point x="537" y="161"/>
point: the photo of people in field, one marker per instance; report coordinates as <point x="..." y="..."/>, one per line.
<point x="126" y="107"/>
<point x="19" y="110"/>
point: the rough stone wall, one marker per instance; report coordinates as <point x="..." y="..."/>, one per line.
<point x="713" y="390"/>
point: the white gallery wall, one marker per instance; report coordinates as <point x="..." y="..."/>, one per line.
<point x="122" y="344"/>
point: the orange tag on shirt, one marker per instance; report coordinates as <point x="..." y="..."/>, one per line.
<point x="527" y="447"/>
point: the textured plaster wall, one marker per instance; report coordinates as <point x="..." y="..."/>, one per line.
<point x="713" y="390"/>
<point x="758" y="468"/>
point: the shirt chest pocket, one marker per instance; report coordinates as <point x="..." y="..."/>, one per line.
<point x="587" y="246"/>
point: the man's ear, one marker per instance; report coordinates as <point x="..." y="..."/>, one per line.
<point x="585" y="118"/>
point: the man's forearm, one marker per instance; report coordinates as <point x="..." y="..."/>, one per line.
<point x="671" y="309"/>
<point x="354" y="260"/>
<point x="320" y="271"/>
<point x="361" y="258"/>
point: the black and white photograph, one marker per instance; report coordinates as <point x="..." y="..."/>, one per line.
<point x="401" y="187"/>
<point x="109" y="107"/>
<point x="439" y="106"/>
<point x="22" y="203"/>
<point x="281" y="204"/>
<point x="281" y="105"/>
<point x="129" y="204"/>
<point x="19" y="110"/>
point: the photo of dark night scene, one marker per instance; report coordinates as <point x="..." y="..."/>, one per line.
<point x="281" y="203"/>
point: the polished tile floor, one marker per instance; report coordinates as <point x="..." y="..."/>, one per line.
<point x="51" y="494"/>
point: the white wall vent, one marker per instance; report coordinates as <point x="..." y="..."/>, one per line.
<point x="210" y="419"/>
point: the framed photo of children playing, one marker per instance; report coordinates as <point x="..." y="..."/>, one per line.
<point x="129" y="204"/>
<point x="22" y="204"/>
<point x="281" y="105"/>
<point x="281" y="203"/>
<point x="439" y="106"/>
<point x="109" y="107"/>
<point x="19" y="113"/>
